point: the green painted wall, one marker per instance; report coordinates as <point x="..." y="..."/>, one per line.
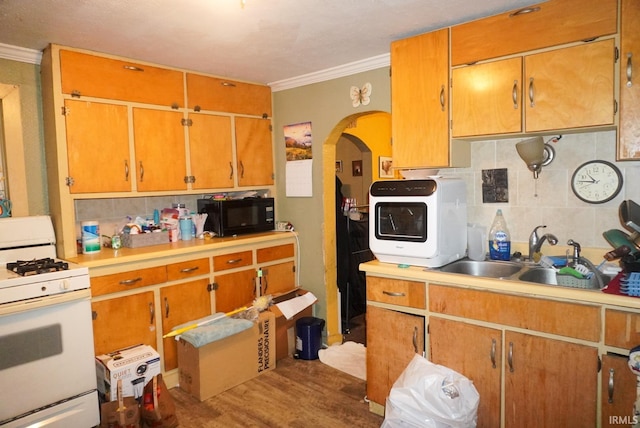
<point x="27" y="78"/>
<point x="324" y="104"/>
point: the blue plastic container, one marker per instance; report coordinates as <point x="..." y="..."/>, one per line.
<point x="309" y="337"/>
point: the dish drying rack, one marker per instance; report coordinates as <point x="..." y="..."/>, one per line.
<point x="579" y="276"/>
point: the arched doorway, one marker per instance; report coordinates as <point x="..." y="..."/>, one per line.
<point x="329" y="204"/>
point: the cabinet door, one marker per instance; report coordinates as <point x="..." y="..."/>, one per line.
<point x="159" y="149"/>
<point x="570" y="88"/>
<point x="234" y="290"/>
<point x="224" y="95"/>
<point x="254" y="151"/>
<point x="487" y="98"/>
<point x="629" y="128"/>
<point x="420" y="100"/>
<point x="210" y="151"/>
<point x="546" y="24"/>
<point x="475" y="352"/>
<point x="181" y="303"/>
<point x="124" y="321"/>
<point x="549" y="383"/>
<point x="393" y="338"/>
<point x="102" y="77"/>
<point x="618" y="391"/>
<point x="278" y="279"/>
<point x="97" y="146"/>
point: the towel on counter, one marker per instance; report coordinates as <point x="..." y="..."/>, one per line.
<point x="219" y="329"/>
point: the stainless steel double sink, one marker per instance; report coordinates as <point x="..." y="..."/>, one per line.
<point x="513" y="271"/>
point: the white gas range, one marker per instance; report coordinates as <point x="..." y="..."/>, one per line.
<point x="47" y="364"/>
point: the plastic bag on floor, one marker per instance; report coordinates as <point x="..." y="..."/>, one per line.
<point x="432" y="396"/>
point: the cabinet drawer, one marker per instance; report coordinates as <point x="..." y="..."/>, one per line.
<point x="396" y="292"/>
<point x="224" y="95"/>
<point x="232" y="260"/>
<point x="504" y="34"/>
<point x="127" y="280"/>
<point x="562" y="318"/>
<point x="102" y="77"/>
<point x="187" y="269"/>
<point x="621" y="329"/>
<point x="274" y="253"/>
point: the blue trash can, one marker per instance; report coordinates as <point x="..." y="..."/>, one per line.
<point x="309" y="337"/>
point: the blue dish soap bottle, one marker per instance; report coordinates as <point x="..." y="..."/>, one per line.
<point x="499" y="239"/>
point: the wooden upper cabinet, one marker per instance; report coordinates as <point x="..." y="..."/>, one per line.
<point x="159" y="149"/>
<point x="420" y="101"/>
<point x="629" y="128"/>
<point x="97" y="147"/>
<point x="570" y="88"/>
<point x="487" y="98"/>
<point x="102" y="77"/>
<point x="224" y="95"/>
<point x="547" y="24"/>
<point x="210" y="147"/>
<point x="254" y="150"/>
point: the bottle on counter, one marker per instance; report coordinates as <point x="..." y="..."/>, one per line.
<point x="499" y="239"/>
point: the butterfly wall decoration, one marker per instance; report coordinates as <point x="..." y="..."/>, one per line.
<point x="361" y="96"/>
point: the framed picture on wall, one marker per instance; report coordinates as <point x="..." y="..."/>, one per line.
<point x="338" y="166"/>
<point x="356" y="168"/>
<point x="385" y="163"/>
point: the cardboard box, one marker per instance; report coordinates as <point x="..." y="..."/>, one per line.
<point x="223" y="364"/>
<point x="135" y="365"/>
<point x="286" y="328"/>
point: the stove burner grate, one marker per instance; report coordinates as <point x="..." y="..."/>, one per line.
<point x="36" y="266"/>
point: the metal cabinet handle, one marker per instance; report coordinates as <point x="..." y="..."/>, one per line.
<point x="126" y="170"/>
<point x="234" y="261"/>
<point x="141" y="172"/>
<point x="514" y="94"/>
<point x="493" y="352"/>
<point x="166" y="307"/>
<point x="189" y="270"/>
<point x="531" y="93"/>
<point x="524" y="11"/>
<point x="629" y="70"/>
<point x="230" y="170"/>
<point x="152" y="312"/>
<point x="394" y="293"/>
<point x="415" y="339"/>
<point x="510" y="357"/>
<point x="241" y="170"/>
<point x="611" y="373"/>
<point x="130" y="281"/>
<point x="442" y="97"/>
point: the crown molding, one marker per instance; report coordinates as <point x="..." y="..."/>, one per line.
<point x="16" y="53"/>
<point x="372" y="63"/>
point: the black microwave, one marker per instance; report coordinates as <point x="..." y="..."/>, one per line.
<point x="228" y="217"/>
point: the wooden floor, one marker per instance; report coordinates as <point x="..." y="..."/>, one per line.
<point x="297" y="393"/>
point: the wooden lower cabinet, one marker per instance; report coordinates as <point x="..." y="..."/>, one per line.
<point x="180" y="304"/>
<point x="618" y="391"/>
<point x="278" y="279"/>
<point x="393" y="338"/>
<point x="234" y="290"/>
<point x="549" y="383"/>
<point x="124" y="321"/>
<point x="475" y="351"/>
<point x="543" y="377"/>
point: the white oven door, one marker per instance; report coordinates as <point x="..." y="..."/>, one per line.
<point x="47" y="365"/>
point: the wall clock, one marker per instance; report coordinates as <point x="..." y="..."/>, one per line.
<point x="596" y="181"/>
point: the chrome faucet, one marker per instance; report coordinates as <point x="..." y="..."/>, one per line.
<point x="576" y="250"/>
<point x="535" y="242"/>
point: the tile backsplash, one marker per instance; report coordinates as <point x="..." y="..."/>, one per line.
<point x="113" y="213"/>
<point x="549" y="200"/>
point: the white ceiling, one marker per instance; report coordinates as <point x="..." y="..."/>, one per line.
<point x="266" y="41"/>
